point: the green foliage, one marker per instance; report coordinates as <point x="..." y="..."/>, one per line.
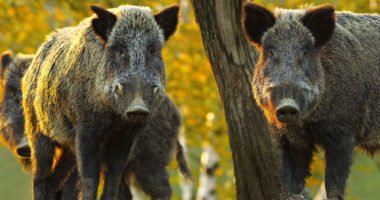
<point x="24" y="25"/>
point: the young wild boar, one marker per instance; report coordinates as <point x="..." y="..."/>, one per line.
<point x="12" y="118"/>
<point x="90" y="91"/>
<point x="317" y="82"/>
<point x="11" y="114"/>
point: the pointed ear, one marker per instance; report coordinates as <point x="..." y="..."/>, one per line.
<point x="256" y="20"/>
<point x="103" y="24"/>
<point x="6" y="60"/>
<point x="167" y="19"/>
<point x="321" y="23"/>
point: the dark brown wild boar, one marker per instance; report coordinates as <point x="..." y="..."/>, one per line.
<point x="91" y="91"/>
<point x="11" y="113"/>
<point x="317" y="82"/>
<point x="12" y="118"/>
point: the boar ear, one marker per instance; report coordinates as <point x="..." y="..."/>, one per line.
<point x="103" y="24"/>
<point x="6" y="60"/>
<point x="321" y="23"/>
<point x="167" y="19"/>
<point x="256" y="20"/>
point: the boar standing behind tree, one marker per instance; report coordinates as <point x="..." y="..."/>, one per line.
<point x="317" y="82"/>
<point x="90" y="91"/>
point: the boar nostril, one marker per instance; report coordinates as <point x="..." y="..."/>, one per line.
<point x="288" y="111"/>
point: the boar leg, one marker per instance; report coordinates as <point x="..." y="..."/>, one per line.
<point x="152" y="178"/>
<point x="42" y="158"/>
<point x="124" y="191"/>
<point x="88" y="157"/>
<point x="338" y="164"/>
<point x="117" y="155"/>
<point x="62" y="173"/>
<point x="296" y="167"/>
<point x="71" y="190"/>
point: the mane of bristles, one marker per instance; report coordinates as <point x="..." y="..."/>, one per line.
<point x="137" y="17"/>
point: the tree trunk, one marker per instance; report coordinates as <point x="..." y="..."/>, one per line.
<point x="256" y="163"/>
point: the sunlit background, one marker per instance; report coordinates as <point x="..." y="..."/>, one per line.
<point x="25" y="23"/>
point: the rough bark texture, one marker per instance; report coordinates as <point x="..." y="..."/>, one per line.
<point x="256" y="163"/>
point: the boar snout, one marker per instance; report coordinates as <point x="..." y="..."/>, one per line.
<point x="23" y="149"/>
<point x="288" y="111"/>
<point x="138" y="110"/>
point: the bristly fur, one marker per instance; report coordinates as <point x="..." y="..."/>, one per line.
<point x="328" y="62"/>
<point x="12" y="118"/>
<point x="76" y="96"/>
<point x="321" y="23"/>
<point x="258" y="23"/>
<point x="11" y="115"/>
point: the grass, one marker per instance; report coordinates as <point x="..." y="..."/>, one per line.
<point x="15" y="184"/>
<point x="363" y="182"/>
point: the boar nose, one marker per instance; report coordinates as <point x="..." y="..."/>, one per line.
<point x="288" y="111"/>
<point x="138" y="110"/>
<point x="23" y="148"/>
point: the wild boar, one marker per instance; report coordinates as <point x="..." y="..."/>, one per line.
<point x="317" y="81"/>
<point x="11" y="114"/>
<point x="12" y="119"/>
<point x="90" y="91"/>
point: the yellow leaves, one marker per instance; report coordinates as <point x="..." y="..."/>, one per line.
<point x="21" y="36"/>
<point x="59" y="15"/>
<point x="28" y="50"/>
<point x="317" y="169"/>
<point x="11" y="13"/>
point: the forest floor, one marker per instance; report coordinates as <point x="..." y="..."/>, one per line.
<point x="363" y="183"/>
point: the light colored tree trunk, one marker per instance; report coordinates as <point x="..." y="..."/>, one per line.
<point x="187" y="186"/>
<point x="321" y="195"/>
<point x="207" y="180"/>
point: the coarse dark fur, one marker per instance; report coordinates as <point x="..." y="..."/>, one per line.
<point x="167" y="122"/>
<point x="78" y="94"/>
<point x="11" y="114"/>
<point x="146" y="166"/>
<point x="328" y="64"/>
<point x="12" y="118"/>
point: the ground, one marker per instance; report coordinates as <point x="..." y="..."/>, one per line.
<point x="363" y="181"/>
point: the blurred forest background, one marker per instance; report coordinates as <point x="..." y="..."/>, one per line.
<point x="25" y="23"/>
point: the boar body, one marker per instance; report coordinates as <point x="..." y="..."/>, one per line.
<point x="317" y="82"/>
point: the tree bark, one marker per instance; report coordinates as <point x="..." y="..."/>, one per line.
<point x="256" y="163"/>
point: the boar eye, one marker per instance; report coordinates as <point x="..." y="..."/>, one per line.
<point x="303" y="54"/>
<point x="270" y="53"/>
<point x="121" y="53"/>
<point x="151" y="49"/>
